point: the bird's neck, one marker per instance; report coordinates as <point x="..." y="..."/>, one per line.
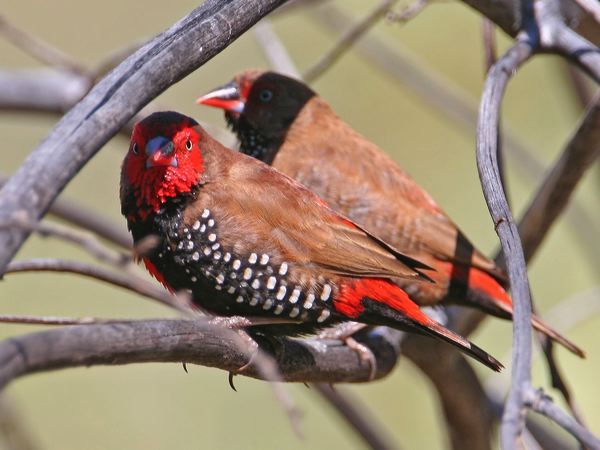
<point x="254" y="143"/>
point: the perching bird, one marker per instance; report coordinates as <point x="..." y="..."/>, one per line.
<point x="282" y="122"/>
<point x="247" y="240"/>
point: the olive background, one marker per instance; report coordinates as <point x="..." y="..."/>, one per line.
<point x="159" y="406"/>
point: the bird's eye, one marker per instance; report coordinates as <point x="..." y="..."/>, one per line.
<point x="265" y="95"/>
<point x="188" y="145"/>
<point x="134" y="148"/>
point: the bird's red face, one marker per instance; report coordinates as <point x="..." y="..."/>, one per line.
<point x="164" y="160"/>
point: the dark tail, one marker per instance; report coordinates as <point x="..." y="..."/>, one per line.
<point x="384" y="303"/>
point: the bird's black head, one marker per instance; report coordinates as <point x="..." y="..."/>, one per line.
<point x="260" y="107"/>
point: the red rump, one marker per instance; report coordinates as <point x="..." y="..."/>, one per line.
<point x="353" y="292"/>
<point x="477" y="280"/>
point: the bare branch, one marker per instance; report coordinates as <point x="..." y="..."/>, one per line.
<point x="123" y="280"/>
<point x="592" y="7"/>
<point x="543" y="404"/>
<point x="274" y="50"/>
<point x="190" y="341"/>
<point x="580" y="83"/>
<point x="581" y="151"/>
<point x="347" y="40"/>
<point x="487" y="164"/>
<point x="355" y="415"/>
<point x="489" y="43"/>
<point x="86" y="241"/>
<point x="113" y="101"/>
<point x="462" y="397"/>
<point x="45" y="90"/>
<point x="556" y="37"/>
<point x="38" y="48"/>
<point x="487" y="135"/>
<point x="408" y="13"/>
<point x="52" y="320"/>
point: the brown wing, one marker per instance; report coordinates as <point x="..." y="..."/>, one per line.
<point x="259" y="201"/>
<point x="362" y="182"/>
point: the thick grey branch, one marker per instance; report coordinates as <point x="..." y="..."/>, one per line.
<point x="111" y="103"/>
<point x="193" y="342"/>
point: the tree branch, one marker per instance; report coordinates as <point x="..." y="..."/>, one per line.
<point x="113" y="101"/>
<point x="557" y="188"/>
<point x="274" y="50"/>
<point x="487" y="164"/>
<point x="193" y="342"/>
<point x="355" y="415"/>
<point x="347" y="39"/>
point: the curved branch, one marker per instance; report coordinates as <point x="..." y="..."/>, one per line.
<point x="106" y="108"/>
<point x="487" y="164"/>
<point x="192" y="342"/>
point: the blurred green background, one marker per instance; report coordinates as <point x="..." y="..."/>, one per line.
<point x="159" y="406"/>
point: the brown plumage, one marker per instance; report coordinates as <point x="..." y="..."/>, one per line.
<point x="284" y="123"/>
<point x="248" y="240"/>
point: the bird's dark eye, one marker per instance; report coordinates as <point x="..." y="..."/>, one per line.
<point x="134" y="148"/>
<point x="188" y="145"/>
<point x="265" y="95"/>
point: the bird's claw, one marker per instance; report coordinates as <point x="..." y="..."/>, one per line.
<point x="344" y="333"/>
<point x="364" y="354"/>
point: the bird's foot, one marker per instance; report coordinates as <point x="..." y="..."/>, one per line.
<point x="250" y="346"/>
<point x="238" y="322"/>
<point x="344" y="333"/>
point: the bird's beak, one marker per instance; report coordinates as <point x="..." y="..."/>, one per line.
<point x="161" y="152"/>
<point x="226" y="97"/>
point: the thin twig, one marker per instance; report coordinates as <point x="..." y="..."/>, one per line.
<point x="555" y="192"/>
<point x="347" y="40"/>
<point x="487" y="164"/>
<point x="354" y="414"/>
<point x="274" y="50"/>
<point x="126" y="281"/>
<point x="52" y="320"/>
<point x="38" y="48"/>
<point x="579" y="82"/>
<point x="408" y="13"/>
<point x="85" y="240"/>
<point x="489" y="43"/>
<point x="541" y="403"/>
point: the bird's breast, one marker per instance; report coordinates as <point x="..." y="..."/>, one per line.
<point x="193" y="257"/>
